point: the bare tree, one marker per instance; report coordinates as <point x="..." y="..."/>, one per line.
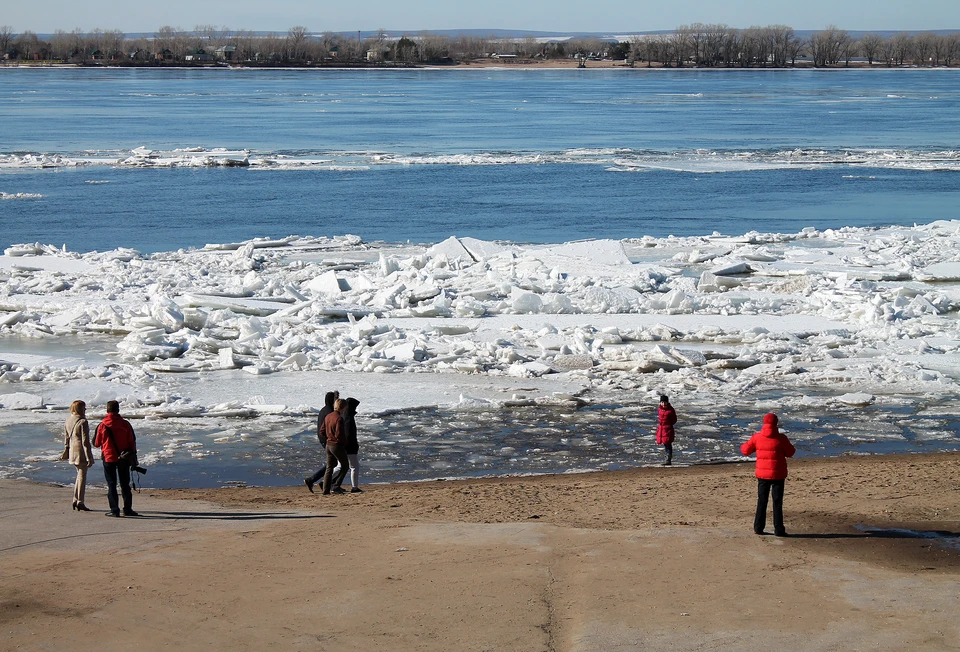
<point x="296" y="41"/>
<point x="902" y="47"/>
<point x="849" y="48"/>
<point x="247" y="45"/>
<point x="174" y="39"/>
<point x="697" y="36"/>
<point x="923" y="48"/>
<point x="754" y="46"/>
<point x="6" y="38"/>
<point x="871" y="46"/>
<point x="27" y="44"/>
<point x="887" y="49"/>
<point x="113" y="42"/>
<point x="732" y="47"/>
<point x="782" y="37"/>
<point x="829" y="45"/>
<point x="680" y="44"/>
<point x="951" y="50"/>
<point x="434" y="47"/>
<point x="712" y="46"/>
<point x="795" y="49"/>
<point x="940" y="45"/>
<point x="60" y="45"/>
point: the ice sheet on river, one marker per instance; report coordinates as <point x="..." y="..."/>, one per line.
<point x="265" y="327"/>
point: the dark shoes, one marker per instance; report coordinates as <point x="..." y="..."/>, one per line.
<point x="339" y="490"/>
<point x="778" y="533"/>
<point x="113" y="514"/>
<point x="130" y="512"/>
<point x="356" y="490"/>
<point x="80" y="507"/>
<point x="309" y="484"/>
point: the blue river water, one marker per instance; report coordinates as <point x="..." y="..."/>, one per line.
<point x="524" y="156"/>
<point x="419" y="155"/>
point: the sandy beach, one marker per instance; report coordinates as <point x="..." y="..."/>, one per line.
<point x="653" y="559"/>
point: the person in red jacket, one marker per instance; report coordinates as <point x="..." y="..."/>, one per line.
<point x="772" y="449"/>
<point x="114" y="435"/>
<point x="666" y="418"/>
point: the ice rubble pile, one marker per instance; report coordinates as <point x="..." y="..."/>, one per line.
<point x="867" y="309"/>
<point x="617" y="159"/>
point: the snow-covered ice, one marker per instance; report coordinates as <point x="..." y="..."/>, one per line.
<point x="849" y="311"/>
<point x="852" y="317"/>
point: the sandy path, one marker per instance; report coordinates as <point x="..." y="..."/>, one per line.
<point x="658" y="559"/>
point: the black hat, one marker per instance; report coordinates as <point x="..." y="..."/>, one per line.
<point x="664" y="399"/>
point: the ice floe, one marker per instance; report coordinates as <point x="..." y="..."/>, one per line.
<point x="700" y="161"/>
<point x="856" y="313"/>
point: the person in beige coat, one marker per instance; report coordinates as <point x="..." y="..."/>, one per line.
<point x="76" y="450"/>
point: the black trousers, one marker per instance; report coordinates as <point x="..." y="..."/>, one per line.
<point x="110" y="472"/>
<point x="318" y="475"/>
<point x="763" y="492"/>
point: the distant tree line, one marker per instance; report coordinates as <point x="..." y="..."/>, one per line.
<point x="695" y="45"/>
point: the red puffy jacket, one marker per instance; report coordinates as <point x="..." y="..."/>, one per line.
<point x="772" y="450"/>
<point x="120" y="437"/>
<point x="666" y="417"/>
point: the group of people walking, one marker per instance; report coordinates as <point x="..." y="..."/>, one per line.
<point x="772" y="448"/>
<point x="337" y="432"/>
<point x="115" y="438"/>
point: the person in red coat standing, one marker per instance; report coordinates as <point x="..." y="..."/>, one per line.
<point x="115" y="435"/>
<point x="772" y="449"/>
<point x="666" y="418"/>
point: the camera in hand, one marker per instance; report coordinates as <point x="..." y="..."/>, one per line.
<point x="138" y="469"/>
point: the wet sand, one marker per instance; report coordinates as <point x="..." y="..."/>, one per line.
<point x="653" y="559"/>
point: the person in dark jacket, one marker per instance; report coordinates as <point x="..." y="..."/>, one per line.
<point x="352" y="445"/>
<point x="336" y="448"/>
<point x="772" y="449"/>
<point x="666" y="418"/>
<point x="115" y="435"/>
<point x="322" y="436"/>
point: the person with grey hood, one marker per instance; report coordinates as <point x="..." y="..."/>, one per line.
<point x="328" y="401"/>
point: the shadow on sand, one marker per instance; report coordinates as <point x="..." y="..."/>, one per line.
<point x="229" y="516"/>
<point x="878" y="533"/>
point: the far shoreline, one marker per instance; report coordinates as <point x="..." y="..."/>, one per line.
<point x="484" y="64"/>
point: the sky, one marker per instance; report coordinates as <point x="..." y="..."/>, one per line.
<point x="612" y="16"/>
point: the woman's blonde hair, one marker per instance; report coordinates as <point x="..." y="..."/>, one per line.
<point x="339" y="403"/>
<point x="78" y="407"/>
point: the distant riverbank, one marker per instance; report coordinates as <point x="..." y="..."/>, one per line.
<point x="491" y="62"/>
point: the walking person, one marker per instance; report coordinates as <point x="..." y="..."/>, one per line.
<point x="114" y="436"/>
<point x="336" y="448"/>
<point x="352" y="445"/>
<point x="772" y="449"/>
<point x="76" y="450"/>
<point x="666" y="418"/>
<point x="327" y="408"/>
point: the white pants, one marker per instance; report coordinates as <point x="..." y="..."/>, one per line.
<point x="354" y="470"/>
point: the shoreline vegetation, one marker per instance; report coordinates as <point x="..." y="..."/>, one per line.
<point x="690" y="46"/>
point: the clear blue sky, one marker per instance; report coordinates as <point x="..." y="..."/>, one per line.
<point x="618" y="16"/>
